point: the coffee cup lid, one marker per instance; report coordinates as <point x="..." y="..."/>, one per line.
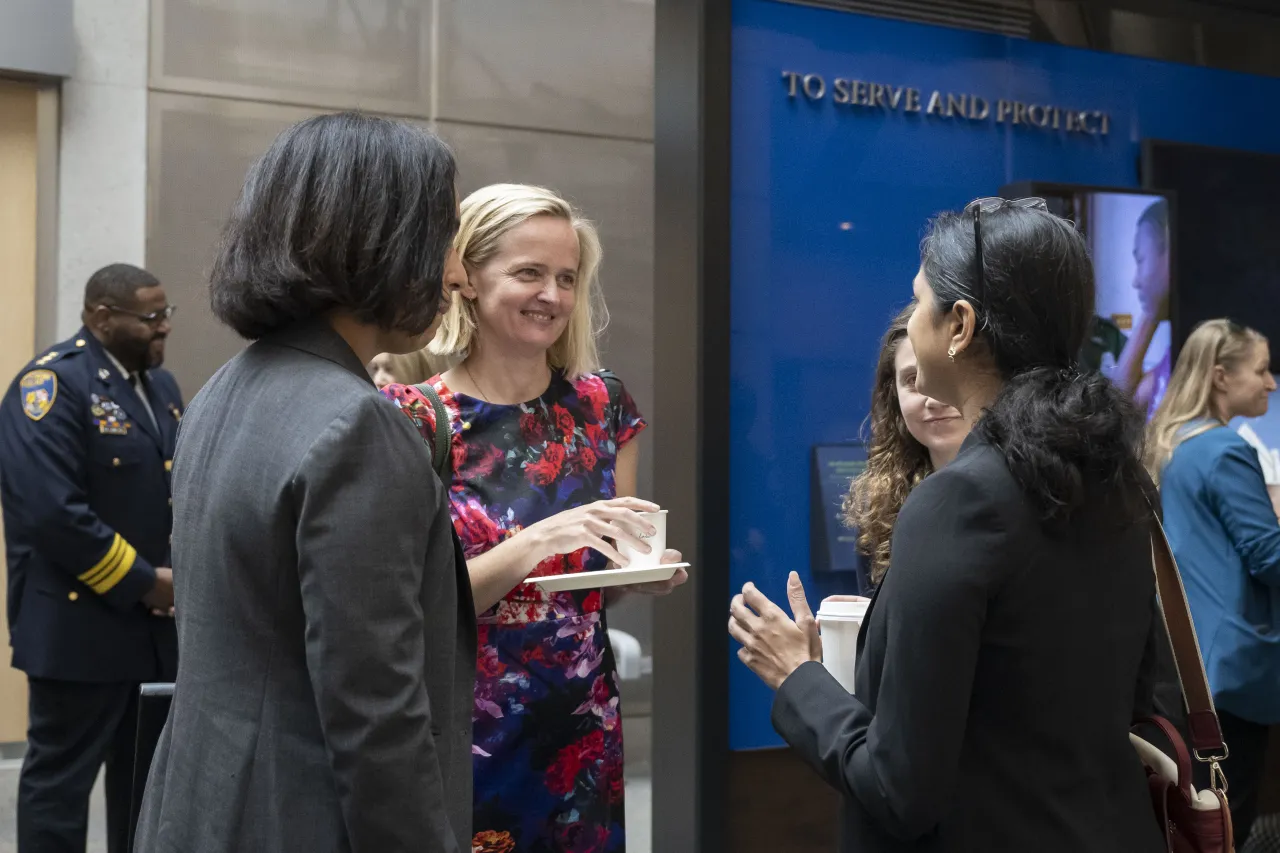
<point x="845" y="609"/>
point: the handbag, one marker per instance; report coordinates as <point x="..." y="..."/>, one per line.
<point x="441" y="452"/>
<point x="1192" y="821"/>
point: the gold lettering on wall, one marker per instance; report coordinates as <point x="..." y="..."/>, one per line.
<point x="850" y="93"/>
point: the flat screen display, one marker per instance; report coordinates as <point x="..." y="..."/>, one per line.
<point x="833" y="544"/>
<point x="1131" y="340"/>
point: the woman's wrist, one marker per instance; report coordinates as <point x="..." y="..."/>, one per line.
<point x="531" y="546"/>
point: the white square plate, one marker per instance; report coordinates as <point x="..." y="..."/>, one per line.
<point x="609" y="577"/>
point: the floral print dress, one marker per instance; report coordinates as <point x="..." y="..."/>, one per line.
<point x="547" y="747"/>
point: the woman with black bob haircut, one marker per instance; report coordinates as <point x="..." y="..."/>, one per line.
<point x="326" y="632"/>
<point x="344" y="212"/>
<point x="1014" y="637"/>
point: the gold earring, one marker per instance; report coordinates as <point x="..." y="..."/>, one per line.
<point x="951" y="354"/>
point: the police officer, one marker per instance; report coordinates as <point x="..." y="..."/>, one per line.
<point x="87" y="434"/>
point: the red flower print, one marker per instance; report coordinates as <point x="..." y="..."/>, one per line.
<point x="563" y="772"/>
<point x="553" y="565"/>
<point x="596" y="394"/>
<point x="536" y="654"/>
<point x="565" y="423"/>
<point x="532" y="429"/>
<point x="617" y="787"/>
<point x="489" y="841"/>
<point x="545" y="471"/>
<point x="554" y="454"/>
<point x="474" y="526"/>
<point x="541" y="473"/>
<point x="488" y="662"/>
<point x="596" y="434"/>
<point x="580" y="837"/>
<point x="592" y="747"/>
<point x="484" y="466"/>
<point x="571" y="760"/>
<point x="543" y="660"/>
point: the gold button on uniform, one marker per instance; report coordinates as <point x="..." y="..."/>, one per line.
<point x="73" y="595"/>
<point x="466" y="425"/>
<point x="116" y="462"/>
<point x="80" y="342"/>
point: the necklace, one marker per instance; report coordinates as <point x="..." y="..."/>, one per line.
<point x="472" y="377"/>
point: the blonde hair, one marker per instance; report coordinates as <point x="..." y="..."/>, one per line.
<point x="414" y="368"/>
<point x="487" y="215"/>
<point x="1189" y="397"/>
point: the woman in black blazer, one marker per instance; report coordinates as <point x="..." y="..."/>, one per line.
<point x="1014" y="638"/>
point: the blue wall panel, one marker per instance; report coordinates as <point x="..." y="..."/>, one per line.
<point x="829" y="203"/>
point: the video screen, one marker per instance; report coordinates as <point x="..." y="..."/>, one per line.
<point x="1128" y="234"/>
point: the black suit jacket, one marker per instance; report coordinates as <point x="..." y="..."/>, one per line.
<point x="999" y="669"/>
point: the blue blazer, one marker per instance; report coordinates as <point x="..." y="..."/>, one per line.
<point x="1225" y="536"/>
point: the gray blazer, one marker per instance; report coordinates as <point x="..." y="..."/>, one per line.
<point x="326" y="629"/>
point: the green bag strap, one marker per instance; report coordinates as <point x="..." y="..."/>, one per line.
<point x="441" y="453"/>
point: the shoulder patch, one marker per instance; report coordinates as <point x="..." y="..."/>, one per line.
<point x="39" y="390"/>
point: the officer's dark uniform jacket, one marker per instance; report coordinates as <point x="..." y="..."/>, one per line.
<point x="84" y="483"/>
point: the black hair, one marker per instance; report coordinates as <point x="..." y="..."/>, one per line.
<point x="1157" y="216"/>
<point x="117" y="285"/>
<point x="343" y="211"/>
<point x="1067" y="434"/>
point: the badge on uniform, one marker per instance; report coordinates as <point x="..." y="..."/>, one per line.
<point x="108" y="417"/>
<point x="176" y="412"/>
<point x="39" y="391"/>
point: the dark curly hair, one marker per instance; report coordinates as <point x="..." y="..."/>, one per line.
<point x="1067" y="435"/>
<point x="896" y="462"/>
<point x="343" y="212"/>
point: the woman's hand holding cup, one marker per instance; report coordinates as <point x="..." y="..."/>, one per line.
<point x="603" y="526"/>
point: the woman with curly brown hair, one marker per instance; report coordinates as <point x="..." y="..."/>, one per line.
<point x="911" y="437"/>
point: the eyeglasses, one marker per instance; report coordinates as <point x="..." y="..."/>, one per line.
<point x="991" y="204"/>
<point x="164" y="313"/>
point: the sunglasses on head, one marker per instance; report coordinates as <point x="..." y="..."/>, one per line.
<point x="991" y="204"/>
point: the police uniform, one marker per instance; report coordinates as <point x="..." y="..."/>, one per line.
<point x="84" y="483"/>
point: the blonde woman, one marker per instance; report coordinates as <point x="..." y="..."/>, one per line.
<point x="543" y="474"/>
<point x="1224" y="533"/>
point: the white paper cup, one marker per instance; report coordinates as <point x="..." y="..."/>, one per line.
<point x="839" y="622"/>
<point x="658" y="541"/>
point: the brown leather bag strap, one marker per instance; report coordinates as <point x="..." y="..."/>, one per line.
<point x="1205" y="733"/>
